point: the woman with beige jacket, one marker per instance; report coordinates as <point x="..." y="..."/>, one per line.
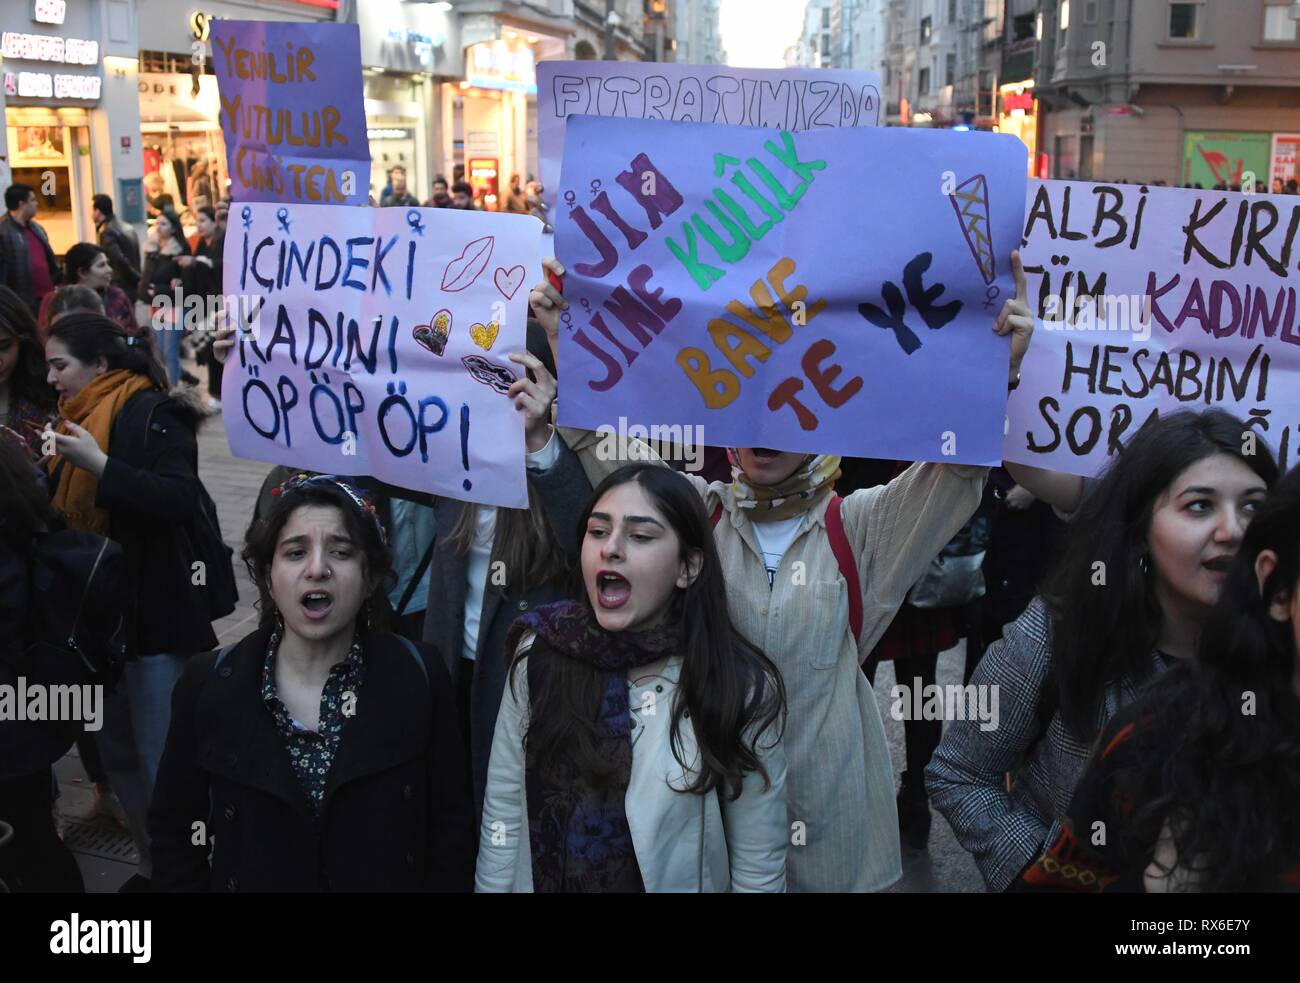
<point x="787" y="596"/>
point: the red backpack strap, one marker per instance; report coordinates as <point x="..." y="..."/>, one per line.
<point x="844" y="558"/>
<point x="716" y="517"/>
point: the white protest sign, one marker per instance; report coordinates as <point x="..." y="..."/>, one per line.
<point x="776" y="98"/>
<point x="375" y="341"/>
<point x="1152" y="300"/>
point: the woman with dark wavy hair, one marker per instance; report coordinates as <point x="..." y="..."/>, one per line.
<point x="321" y="752"/>
<point x="1198" y="782"/>
<point x="86" y="265"/>
<point x="1144" y="562"/>
<point x="27" y="400"/>
<point x="638" y="747"/>
<point x="125" y="466"/>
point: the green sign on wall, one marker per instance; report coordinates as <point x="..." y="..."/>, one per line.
<point x="1211" y="157"/>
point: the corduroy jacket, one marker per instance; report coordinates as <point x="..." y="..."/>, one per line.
<point x="840" y="781"/>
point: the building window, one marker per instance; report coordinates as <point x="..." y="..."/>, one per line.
<point x="1183" y="24"/>
<point x="1063" y="18"/>
<point x="950" y="68"/>
<point x="1278" y="25"/>
<point x="923" y="82"/>
<point x="826" y="17"/>
<point x="952" y="11"/>
<point x="925" y="30"/>
<point x="1090" y="12"/>
<point x="889" y="77"/>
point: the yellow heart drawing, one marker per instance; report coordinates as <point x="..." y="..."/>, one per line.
<point x="484" y="335"/>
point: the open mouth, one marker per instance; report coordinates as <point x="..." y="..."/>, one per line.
<point x="1220" y="564"/>
<point x="763" y="455"/>
<point x="317" y="604"/>
<point x="612" y="590"/>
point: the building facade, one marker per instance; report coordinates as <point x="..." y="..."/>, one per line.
<point x="814" y="49"/>
<point x="71" y="111"/>
<point x="923" y="46"/>
<point x="698" y="41"/>
<point x="119" y="96"/>
<point x="1204" y="92"/>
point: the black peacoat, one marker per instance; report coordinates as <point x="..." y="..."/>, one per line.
<point x="396" y="815"/>
<point x="151" y="490"/>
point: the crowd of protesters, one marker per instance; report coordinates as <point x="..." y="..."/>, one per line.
<point x="625" y="686"/>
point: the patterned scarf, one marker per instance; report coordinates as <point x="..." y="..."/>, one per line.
<point x="812" y="481"/>
<point x="94" y="408"/>
<point x="578" y="833"/>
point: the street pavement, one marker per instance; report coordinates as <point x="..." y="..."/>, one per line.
<point x="104" y="850"/>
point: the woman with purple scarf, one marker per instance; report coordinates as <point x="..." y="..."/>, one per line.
<point x="638" y="747"/>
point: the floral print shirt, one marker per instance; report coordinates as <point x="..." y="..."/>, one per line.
<point x="312" y="752"/>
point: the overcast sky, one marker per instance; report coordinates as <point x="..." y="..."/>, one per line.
<point x="755" y="33"/>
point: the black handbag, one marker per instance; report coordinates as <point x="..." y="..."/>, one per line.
<point x="75" y="630"/>
<point x="220" y="594"/>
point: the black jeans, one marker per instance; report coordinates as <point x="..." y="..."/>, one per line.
<point x="920" y="737"/>
<point x="35" y="860"/>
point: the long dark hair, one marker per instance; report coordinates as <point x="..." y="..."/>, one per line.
<point x="525" y="545"/>
<point x="28" y="379"/>
<point x="1102" y="632"/>
<point x="732" y="692"/>
<point x="264" y="532"/>
<point x="25" y="509"/>
<point x="1224" y="764"/>
<point x="89" y="336"/>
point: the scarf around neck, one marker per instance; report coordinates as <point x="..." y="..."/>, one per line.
<point x="95" y="409"/>
<point x="578" y="833"/>
<point x="811" y="482"/>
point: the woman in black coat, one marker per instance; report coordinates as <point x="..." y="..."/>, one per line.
<point x="159" y="279"/>
<point x="202" y="273"/>
<point x="34" y="858"/>
<point x="320" y="753"/>
<point x="126" y="467"/>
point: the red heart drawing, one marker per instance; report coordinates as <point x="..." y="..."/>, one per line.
<point x="508" y="281"/>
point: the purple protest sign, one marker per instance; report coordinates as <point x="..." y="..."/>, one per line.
<point x="378" y="340"/>
<point x="780" y="98"/>
<point x="830" y="291"/>
<point x="292" y="111"/>
<point x="1152" y="300"/>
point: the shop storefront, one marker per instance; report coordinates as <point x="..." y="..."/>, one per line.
<point x="409" y="51"/>
<point x="492" y="115"/>
<point x="53" y="86"/>
<point x="1285" y="160"/>
<point x="1018" y="116"/>
<point x="180" y="109"/>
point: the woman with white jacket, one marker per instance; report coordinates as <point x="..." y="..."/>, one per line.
<point x="814" y="580"/>
<point x="638" y="747"/>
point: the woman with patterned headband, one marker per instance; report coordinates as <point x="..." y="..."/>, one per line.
<point x="321" y="753"/>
